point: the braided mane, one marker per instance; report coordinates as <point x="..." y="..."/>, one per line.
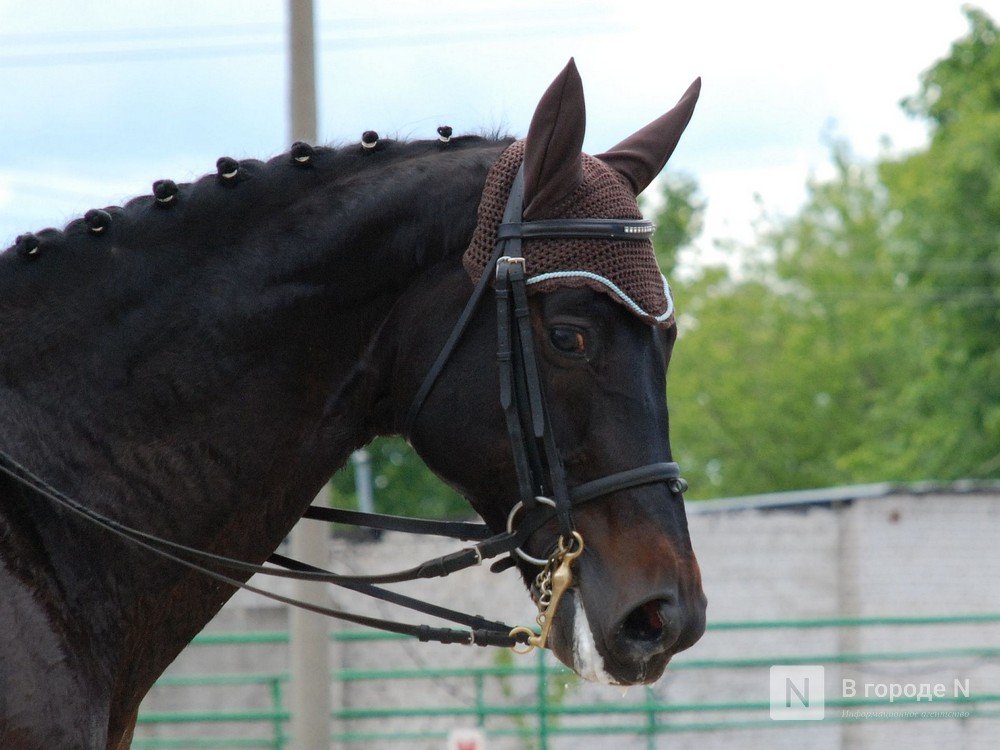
<point x="294" y="196"/>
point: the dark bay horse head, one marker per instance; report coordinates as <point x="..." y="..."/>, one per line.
<point x="196" y="363"/>
<point x="638" y="598"/>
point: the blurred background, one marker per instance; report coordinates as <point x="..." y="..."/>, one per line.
<point x="830" y="224"/>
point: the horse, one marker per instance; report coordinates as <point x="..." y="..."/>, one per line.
<point x="196" y="364"/>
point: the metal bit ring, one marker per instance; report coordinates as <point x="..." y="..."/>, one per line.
<point x="510" y="528"/>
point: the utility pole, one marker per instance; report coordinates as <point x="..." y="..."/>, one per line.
<point x="302" y="70"/>
<point x="310" y="642"/>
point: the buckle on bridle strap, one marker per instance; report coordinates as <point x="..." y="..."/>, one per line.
<point x="505" y="261"/>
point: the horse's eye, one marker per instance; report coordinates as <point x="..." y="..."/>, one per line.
<point x="568" y="340"/>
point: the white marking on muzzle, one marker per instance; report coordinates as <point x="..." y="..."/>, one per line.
<point x="587" y="662"/>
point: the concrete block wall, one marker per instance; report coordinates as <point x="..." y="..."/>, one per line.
<point x="919" y="553"/>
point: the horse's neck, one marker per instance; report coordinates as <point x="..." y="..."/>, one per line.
<point x="212" y="409"/>
<point x="220" y="353"/>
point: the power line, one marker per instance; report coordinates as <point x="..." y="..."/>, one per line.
<point x="405" y="37"/>
<point x="76" y="38"/>
<point x="470" y="20"/>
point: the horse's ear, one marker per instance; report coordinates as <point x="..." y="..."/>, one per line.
<point x="553" y="167"/>
<point x="641" y="156"/>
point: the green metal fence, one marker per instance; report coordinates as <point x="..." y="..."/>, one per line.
<point x="541" y="719"/>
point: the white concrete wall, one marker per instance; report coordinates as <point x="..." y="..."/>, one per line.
<point x="901" y="554"/>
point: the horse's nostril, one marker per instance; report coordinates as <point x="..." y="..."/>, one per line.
<point x="648" y="621"/>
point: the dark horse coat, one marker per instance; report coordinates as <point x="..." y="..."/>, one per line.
<point x="196" y="363"/>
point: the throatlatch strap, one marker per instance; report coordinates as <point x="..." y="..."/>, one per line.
<point x="516" y="196"/>
<point x="449" y="346"/>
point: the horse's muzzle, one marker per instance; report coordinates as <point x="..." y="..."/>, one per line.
<point x="655" y="630"/>
<point x="635" y="647"/>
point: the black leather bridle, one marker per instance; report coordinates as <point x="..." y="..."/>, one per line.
<point x="541" y="479"/>
<point x="543" y="494"/>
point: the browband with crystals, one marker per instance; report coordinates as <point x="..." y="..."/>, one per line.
<point x="604" y="229"/>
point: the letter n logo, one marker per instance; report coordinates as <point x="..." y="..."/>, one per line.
<point x="797" y="692"/>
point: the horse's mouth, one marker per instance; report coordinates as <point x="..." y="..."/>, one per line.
<point x="573" y="642"/>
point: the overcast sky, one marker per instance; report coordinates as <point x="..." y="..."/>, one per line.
<point x="99" y="99"/>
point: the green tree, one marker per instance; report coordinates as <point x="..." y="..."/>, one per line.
<point x="948" y="198"/>
<point x="783" y="376"/>
<point x="403" y="485"/>
<point x="679" y="219"/>
<point x="860" y="340"/>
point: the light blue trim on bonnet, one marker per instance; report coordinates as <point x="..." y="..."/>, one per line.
<point x="629" y="302"/>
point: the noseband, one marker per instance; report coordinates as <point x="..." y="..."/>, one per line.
<point x="543" y="494"/>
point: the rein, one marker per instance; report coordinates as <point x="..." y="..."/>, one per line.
<point x="543" y="494"/>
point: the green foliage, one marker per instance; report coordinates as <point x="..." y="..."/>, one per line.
<point x="403" y="485"/>
<point x="949" y="194"/>
<point x="861" y="341"/>
<point x="779" y="375"/>
<point x="948" y="198"/>
<point x="965" y="82"/>
<point x="679" y="221"/>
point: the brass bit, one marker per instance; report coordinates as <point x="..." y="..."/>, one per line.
<point x="560" y="581"/>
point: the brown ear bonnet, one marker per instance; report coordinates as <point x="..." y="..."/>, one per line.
<point x="625" y="270"/>
<point x="561" y="182"/>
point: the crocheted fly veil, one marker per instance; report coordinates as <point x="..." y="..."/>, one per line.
<point x="625" y="270"/>
<point x="562" y="182"/>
